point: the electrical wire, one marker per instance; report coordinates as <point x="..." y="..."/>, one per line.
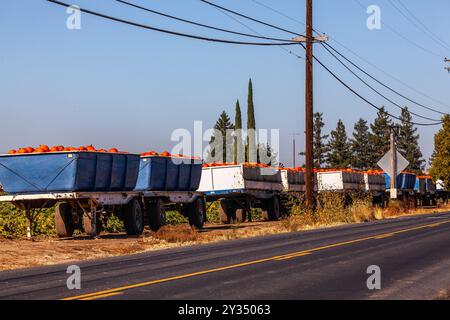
<point x="256" y="32"/>
<point x="372" y="88"/>
<point x="361" y="97"/>
<point x="354" y="53"/>
<point x="392" y="29"/>
<point x="173" y="32"/>
<point x="419" y="25"/>
<point x="199" y="24"/>
<point x="381" y="83"/>
<point x="250" y="18"/>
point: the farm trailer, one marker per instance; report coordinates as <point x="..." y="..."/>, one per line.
<point x="239" y="188"/>
<point x="89" y="210"/>
<point x="349" y="182"/>
<point x="425" y="190"/>
<point x="87" y="187"/>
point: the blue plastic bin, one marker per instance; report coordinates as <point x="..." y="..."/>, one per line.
<point x="103" y="172"/>
<point x="184" y="173"/>
<point x="152" y="174"/>
<point x="196" y="174"/>
<point x="124" y="172"/>
<point x="50" y="172"/>
<point x="132" y="172"/>
<point x="172" y="174"/>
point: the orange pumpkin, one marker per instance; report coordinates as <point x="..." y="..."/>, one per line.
<point x="165" y="154"/>
<point x="12" y="152"/>
<point x="113" y="150"/>
<point x="91" y="148"/>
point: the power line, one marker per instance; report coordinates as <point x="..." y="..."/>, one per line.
<point x="361" y="97"/>
<point x="381" y="83"/>
<point x="284" y="15"/>
<point x="172" y="32"/>
<point x="250" y="18"/>
<point x="199" y="24"/>
<point x="354" y="53"/>
<point x="404" y="37"/>
<point x="326" y="68"/>
<point x="388" y="74"/>
<point x="253" y="30"/>
<point x="418" y="24"/>
<point x="372" y="88"/>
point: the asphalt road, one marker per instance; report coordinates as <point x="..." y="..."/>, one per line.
<point x="413" y="254"/>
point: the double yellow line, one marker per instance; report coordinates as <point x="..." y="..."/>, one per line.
<point x="119" y="290"/>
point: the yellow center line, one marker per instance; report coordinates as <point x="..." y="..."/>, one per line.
<point x="385" y="236"/>
<point x="114" y="291"/>
<point x="100" y="296"/>
<point x="291" y="256"/>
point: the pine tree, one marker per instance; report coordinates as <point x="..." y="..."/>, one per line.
<point x="251" y="126"/>
<point x="440" y="166"/>
<point x="339" y="154"/>
<point x="408" y="142"/>
<point x="219" y="150"/>
<point x="239" y="155"/>
<point x="320" y="148"/>
<point x="379" y="137"/>
<point x="360" y="146"/>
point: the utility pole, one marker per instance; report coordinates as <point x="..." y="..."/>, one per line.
<point x="294" y="155"/>
<point x="309" y="178"/>
<point x="309" y="39"/>
<point x="393" y="173"/>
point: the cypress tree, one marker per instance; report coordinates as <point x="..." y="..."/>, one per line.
<point x="379" y="136"/>
<point x="408" y="142"/>
<point x="320" y="148"/>
<point x="339" y="154"/>
<point x="223" y="126"/>
<point x="239" y="155"/>
<point x="360" y="146"/>
<point x="251" y="126"/>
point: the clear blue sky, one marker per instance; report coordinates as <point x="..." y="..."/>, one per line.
<point x="116" y="85"/>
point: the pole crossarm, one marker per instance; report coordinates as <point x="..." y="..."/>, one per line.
<point x="316" y="39"/>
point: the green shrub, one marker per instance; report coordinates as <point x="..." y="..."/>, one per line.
<point x="13" y="223"/>
<point x="175" y="218"/>
<point x="113" y="224"/>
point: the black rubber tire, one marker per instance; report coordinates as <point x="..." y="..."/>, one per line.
<point x="271" y="211"/>
<point x="197" y="213"/>
<point x="224" y="212"/>
<point x="156" y="214"/>
<point x="87" y="226"/>
<point x="241" y="215"/>
<point x="63" y="220"/>
<point x="133" y="219"/>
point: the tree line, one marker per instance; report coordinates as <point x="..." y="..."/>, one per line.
<point x="368" y="143"/>
<point x="227" y="143"/>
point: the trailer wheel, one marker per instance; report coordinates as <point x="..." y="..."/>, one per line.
<point x="87" y="226"/>
<point x="63" y="220"/>
<point x="197" y="213"/>
<point x="157" y="214"/>
<point x="225" y="212"/>
<point x="133" y="219"/>
<point x="271" y="210"/>
<point x="241" y="215"/>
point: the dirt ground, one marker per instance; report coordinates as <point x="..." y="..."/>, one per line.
<point x="15" y="254"/>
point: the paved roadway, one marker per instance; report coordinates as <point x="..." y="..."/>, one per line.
<point x="413" y="254"/>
